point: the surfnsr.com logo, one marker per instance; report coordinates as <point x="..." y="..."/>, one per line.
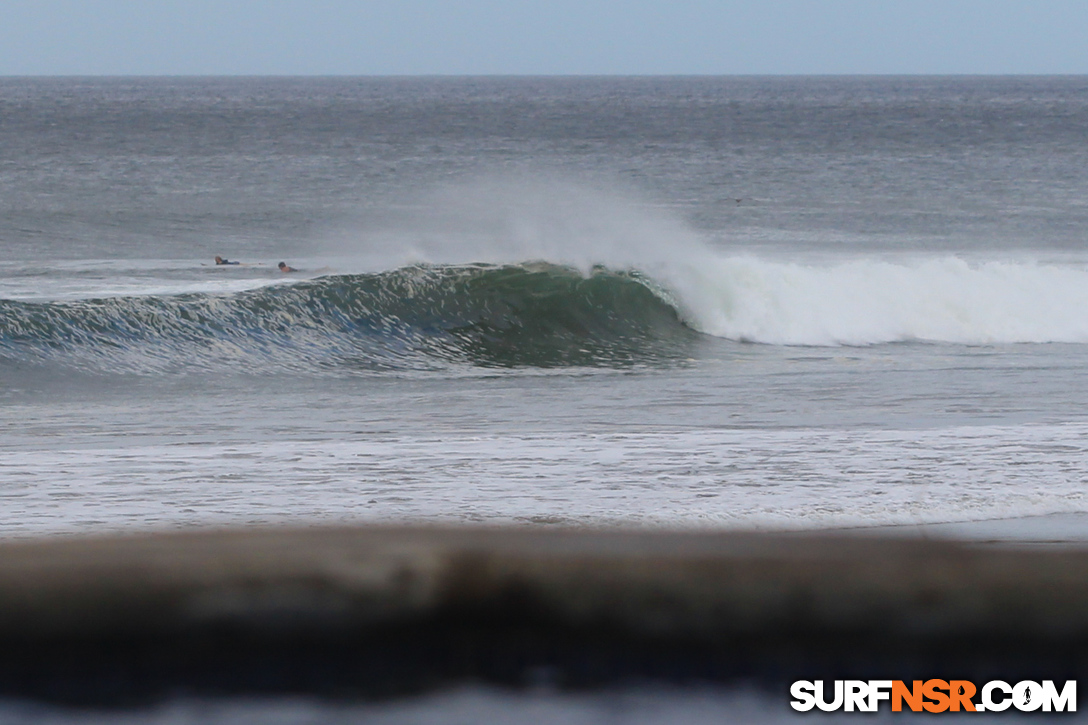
<point x="934" y="696"/>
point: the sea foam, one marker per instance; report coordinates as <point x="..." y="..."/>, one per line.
<point x="870" y="301"/>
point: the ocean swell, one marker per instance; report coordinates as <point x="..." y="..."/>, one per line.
<point x="419" y="317"/>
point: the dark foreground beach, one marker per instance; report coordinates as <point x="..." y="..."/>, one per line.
<point x="378" y="612"/>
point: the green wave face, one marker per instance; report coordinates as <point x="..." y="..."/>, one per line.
<point x="531" y="315"/>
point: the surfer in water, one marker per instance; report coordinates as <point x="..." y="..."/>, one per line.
<point x="219" y="260"/>
<point x="285" y="268"/>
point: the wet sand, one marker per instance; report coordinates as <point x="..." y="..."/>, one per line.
<point x="1067" y="531"/>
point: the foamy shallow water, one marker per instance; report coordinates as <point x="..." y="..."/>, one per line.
<point x="745" y="436"/>
<point x="726" y="478"/>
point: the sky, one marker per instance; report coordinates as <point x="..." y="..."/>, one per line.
<point x="545" y="37"/>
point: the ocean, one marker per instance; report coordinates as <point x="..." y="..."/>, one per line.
<point x="751" y="303"/>
<point x="724" y="302"/>
<point x="721" y="303"/>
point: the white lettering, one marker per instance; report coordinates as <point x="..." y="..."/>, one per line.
<point x="879" y="690"/>
<point x="802" y="691"/>
<point x="834" y="704"/>
<point x="996" y="705"/>
<point x="857" y="695"/>
<point x="1066" y="701"/>
<point x="1027" y="696"/>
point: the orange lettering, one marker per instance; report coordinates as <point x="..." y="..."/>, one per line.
<point x="913" y="697"/>
<point x="961" y="692"/>
<point x="931" y="689"/>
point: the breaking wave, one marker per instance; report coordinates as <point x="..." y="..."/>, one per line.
<point x="420" y="317"/>
<point x="431" y="317"/>
<point x="867" y="301"/>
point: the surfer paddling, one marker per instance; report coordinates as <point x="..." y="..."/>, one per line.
<point x="285" y="268"/>
<point x="219" y="260"/>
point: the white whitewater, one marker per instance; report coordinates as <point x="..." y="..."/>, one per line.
<point x="867" y="301"/>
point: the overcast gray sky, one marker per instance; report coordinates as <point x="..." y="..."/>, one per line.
<point x="382" y="37"/>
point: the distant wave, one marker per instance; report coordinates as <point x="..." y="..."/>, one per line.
<point x="419" y="317"/>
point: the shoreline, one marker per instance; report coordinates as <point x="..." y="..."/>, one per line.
<point x="1063" y="529"/>
<point x="1039" y="530"/>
